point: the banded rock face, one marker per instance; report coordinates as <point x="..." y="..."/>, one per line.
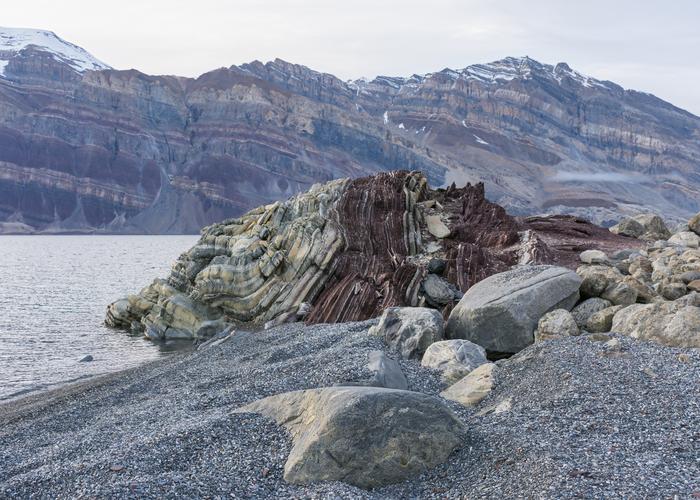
<point x="343" y="251"/>
<point x="84" y="147"/>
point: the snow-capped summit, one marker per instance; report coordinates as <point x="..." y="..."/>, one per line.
<point x="15" y="40"/>
<point x="501" y="71"/>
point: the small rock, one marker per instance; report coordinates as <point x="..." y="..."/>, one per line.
<point x="593" y="257"/>
<point x="620" y="294"/>
<point x="588" y="307"/>
<point x="87" y="359"/>
<point x="437" y="266"/>
<point x="473" y="388"/>
<point x="601" y="321"/>
<point x="694" y="224"/>
<point x="685" y="238"/>
<point x="455" y="358"/>
<point x="556" y="324"/>
<point x="673" y="291"/>
<point x="694" y="286"/>
<point x="437" y="291"/>
<point x="410" y="330"/>
<point x="436" y="227"/>
<point x="387" y="372"/>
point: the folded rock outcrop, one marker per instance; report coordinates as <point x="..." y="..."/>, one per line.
<point x="348" y="250"/>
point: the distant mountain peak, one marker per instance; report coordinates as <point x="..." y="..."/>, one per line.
<point x="15" y="40"/>
<point x="500" y="71"/>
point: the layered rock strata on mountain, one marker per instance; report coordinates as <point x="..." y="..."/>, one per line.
<point x="84" y="147"/>
<point x="343" y="251"/>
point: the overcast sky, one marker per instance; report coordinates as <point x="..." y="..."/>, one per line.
<point x="647" y="45"/>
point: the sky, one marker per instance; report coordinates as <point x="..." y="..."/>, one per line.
<point x="647" y="45"/>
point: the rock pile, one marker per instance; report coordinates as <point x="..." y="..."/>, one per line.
<point x="348" y="250"/>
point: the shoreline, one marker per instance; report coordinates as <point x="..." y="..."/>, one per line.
<point x="170" y="427"/>
<point x="14" y="407"/>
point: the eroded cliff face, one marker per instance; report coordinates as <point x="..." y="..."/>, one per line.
<point x="345" y="251"/>
<point x="90" y="149"/>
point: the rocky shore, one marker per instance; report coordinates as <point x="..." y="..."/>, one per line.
<point x="504" y="357"/>
<point x="573" y="417"/>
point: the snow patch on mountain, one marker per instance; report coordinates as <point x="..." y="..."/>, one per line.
<point x="15" y="40"/>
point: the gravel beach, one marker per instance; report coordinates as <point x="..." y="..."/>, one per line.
<point x="575" y="417"/>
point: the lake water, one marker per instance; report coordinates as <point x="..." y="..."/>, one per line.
<point x="54" y="291"/>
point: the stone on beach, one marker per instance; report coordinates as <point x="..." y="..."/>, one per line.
<point x="501" y="312"/>
<point x="454" y="358"/>
<point x="364" y="436"/>
<point x="410" y="330"/>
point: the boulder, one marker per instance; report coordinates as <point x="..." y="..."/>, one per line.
<point x="690" y="276"/>
<point x="501" y="312"/>
<point x="386" y="372"/>
<point x="648" y="227"/>
<point x="686" y="239"/>
<point x="673" y="291"/>
<point x="438" y="292"/>
<point x="601" y="321"/>
<point x="365" y="436"/>
<point x="694" y="286"/>
<point x="410" y="330"/>
<point x="669" y="323"/>
<point x="628" y="227"/>
<point x="694" y="224"/>
<point x="645" y="294"/>
<point x="596" y="278"/>
<point x="620" y="294"/>
<point x="556" y="324"/>
<point x="593" y="257"/>
<point x="654" y="227"/>
<point x="454" y="358"/>
<point x="470" y="390"/>
<point x="588" y="307"/>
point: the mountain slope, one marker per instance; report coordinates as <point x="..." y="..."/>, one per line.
<point x="84" y="147"/>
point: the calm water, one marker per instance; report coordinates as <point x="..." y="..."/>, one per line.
<point x="53" y="295"/>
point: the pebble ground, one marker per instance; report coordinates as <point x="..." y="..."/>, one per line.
<point x="586" y="419"/>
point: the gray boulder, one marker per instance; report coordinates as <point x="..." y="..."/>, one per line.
<point x="386" y="372"/>
<point x="601" y="321"/>
<point x="628" y="227"/>
<point x="620" y="294"/>
<point x="454" y="358"/>
<point x="501" y="312"/>
<point x="409" y="330"/>
<point x="588" y="307"/>
<point x="364" y="436"/>
<point x="648" y="227"/>
<point x="438" y="291"/>
<point x="556" y="324"/>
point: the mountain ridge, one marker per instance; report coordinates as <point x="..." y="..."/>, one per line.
<point x="84" y="145"/>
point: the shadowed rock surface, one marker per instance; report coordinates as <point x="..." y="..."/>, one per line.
<point x="350" y="249"/>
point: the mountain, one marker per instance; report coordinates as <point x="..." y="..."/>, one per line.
<point x="84" y="147"/>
